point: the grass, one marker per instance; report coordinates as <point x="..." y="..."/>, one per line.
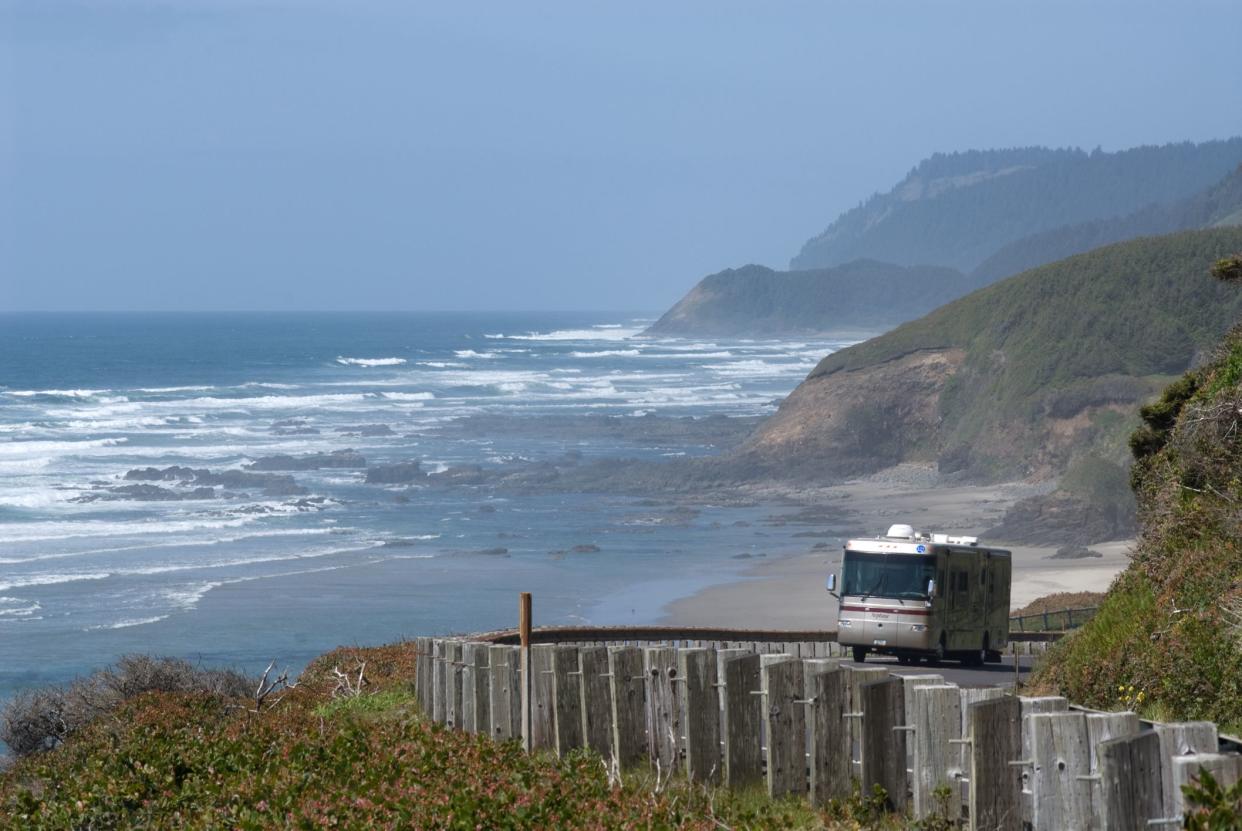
<point x="1171" y="625"/>
<point x="204" y="761"/>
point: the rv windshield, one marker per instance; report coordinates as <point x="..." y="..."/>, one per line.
<point x="902" y="576"/>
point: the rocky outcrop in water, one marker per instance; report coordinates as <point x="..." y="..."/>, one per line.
<point x="271" y="484"/>
<point x="337" y="459"/>
<point x="401" y="473"/>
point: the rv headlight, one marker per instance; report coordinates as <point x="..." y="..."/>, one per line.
<point x="918" y="627"/>
<point x="845" y="623"/>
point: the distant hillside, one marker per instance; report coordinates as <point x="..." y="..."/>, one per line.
<point x="1021" y="378"/>
<point x="1168" y="631"/>
<point x="959" y="209"/>
<point x="862" y="295"/>
<point x="1218" y="206"/>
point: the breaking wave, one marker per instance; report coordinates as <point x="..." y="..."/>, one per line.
<point x="370" y="362"/>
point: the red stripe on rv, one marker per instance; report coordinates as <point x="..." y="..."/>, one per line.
<point x="887" y="609"/>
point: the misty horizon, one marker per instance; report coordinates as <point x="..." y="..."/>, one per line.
<point x="196" y="157"/>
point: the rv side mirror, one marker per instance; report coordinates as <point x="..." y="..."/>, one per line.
<point x="931" y="588"/>
<point x="831" y="583"/>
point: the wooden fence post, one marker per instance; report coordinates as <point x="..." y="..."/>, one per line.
<point x="968" y="696"/>
<point x="1030" y="707"/>
<point x="883" y="746"/>
<point x="1130" y="781"/>
<point x="937" y="718"/>
<point x="909" y="683"/>
<point x="855" y="677"/>
<point x="743" y="757"/>
<point x="995" y="782"/>
<point x="628" y="694"/>
<point x="1179" y="739"/>
<point x="526" y="670"/>
<point x="1061" y="795"/>
<point x="596" y="700"/>
<point x="1102" y="727"/>
<point x="439" y="681"/>
<point x="501" y="676"/>
<point x="784" y="720"/>
<point x="567" y="698"/>
<point x="453" y="681"/>
<point x="422" y="674"/>
<point x="469" y="684"/>
<point x="828" y="730"/>
<point x="700" y="714"/>
<point x="542" y="718"/>
<point x="1226" y="769"/>
<point x="663" y="707"/>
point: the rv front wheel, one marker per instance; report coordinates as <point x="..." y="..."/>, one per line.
<point x="860" y="654"/>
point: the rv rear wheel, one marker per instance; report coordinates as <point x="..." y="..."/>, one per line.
<point x="860" y="654"/>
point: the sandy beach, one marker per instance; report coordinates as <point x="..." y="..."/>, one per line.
<point x="788" y="593"/>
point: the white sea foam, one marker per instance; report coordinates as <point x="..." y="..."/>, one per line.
<point x="44" y="449"/>
<point x="443" y="364"/>
<point x="52" y="579"/>
<point x="158" y="390"/>
<point x="607" y="353"/>
<point x="407" y="396"/>
<point x="370" y="362"/>
<point x="16" y="607"/>
<point x="127" y="623"/>
<point x="470" y="353"/>
<point x="603" y="332"/>
<point x="56" y="393"/>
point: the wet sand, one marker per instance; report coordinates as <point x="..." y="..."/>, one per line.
<point x="788" y="593"/>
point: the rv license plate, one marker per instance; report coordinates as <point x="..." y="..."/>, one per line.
<point x="879" y="643"/>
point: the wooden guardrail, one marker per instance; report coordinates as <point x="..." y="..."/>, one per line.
<point x="702" y="636"/>
<point x="812" y="726"/>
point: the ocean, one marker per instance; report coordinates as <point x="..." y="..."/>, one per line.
<point x="99" y="556"/>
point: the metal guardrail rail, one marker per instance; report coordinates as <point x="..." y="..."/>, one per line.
<point x="1059" y="620"/>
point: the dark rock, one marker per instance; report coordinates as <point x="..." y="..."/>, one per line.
<point x="270" y="484"/>
<point x="459" y="475"/>
<point x="145" y="493"/>
<point x="337" y="459"/>
<point x="1074" y="552"/>
<point x="1062" y="519"/>
<point x="367" y="430"/>
<point x="589" y="548"/>
<point x="487" y="509"/>
<point x="493" y="552"/>
<point x="400" y="473"/>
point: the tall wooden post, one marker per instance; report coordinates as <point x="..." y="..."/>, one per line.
<point x="527" y="688"/>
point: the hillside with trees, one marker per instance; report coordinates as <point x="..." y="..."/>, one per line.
<point x="958" y="209"/>
<point x="864" y="296"/>
<point x="1038" y="376"/>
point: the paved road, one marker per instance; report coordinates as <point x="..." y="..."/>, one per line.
<point x="988" y="675"/>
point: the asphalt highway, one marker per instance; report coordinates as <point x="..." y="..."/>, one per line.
<point x="988" y="675"/>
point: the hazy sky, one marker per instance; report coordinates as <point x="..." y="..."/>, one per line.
<point x="220" y="154"/>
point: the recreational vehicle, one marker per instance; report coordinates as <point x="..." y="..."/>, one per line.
<point x="917" y="595"/>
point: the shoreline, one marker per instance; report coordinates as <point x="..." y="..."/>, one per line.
<point x="788" y="592"/>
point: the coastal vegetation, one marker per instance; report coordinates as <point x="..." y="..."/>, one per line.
<point x="1171" y="624"/>
<point x="1037" y="376"/>
<point x="354" y="754"/>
